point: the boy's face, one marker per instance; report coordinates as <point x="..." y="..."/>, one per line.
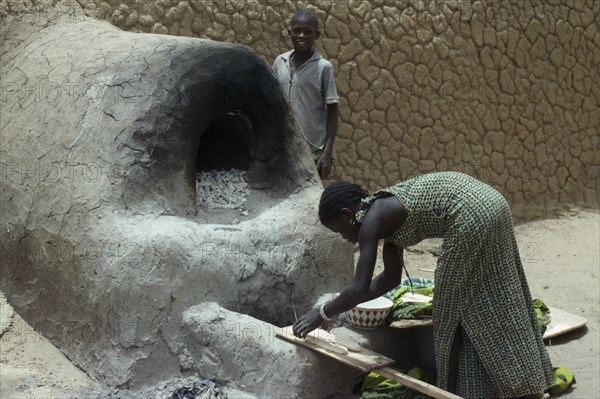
<point x="303" y="33"/>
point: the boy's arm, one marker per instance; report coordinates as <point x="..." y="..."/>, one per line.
<point x="324" y="162"/>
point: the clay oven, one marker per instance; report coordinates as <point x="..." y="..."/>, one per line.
<point x="111" y="247"/>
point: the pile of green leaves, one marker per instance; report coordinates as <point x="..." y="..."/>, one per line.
<point x="400" y="392"/>
<point x="542" y="314"/>
<point x="410" y="310"/>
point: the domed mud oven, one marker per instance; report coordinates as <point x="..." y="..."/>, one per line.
<point x="109" y="250"/>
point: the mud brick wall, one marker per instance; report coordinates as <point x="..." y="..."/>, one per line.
<point x="507" y="90"/>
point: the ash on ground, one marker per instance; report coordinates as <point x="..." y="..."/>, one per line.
<point x="222" y="189"/>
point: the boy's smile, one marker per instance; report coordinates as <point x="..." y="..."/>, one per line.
<point x="303" y="34"/>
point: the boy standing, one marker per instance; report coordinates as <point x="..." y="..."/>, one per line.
<point x="307" y="79"/>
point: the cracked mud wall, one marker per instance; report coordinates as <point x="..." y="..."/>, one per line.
<point x="507" y="91"/>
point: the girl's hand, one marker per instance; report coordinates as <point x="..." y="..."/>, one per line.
<point x="307" y="322"/>
<point x="327" y="325"/>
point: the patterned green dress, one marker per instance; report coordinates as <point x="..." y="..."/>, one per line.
<point x="480" y="285"/>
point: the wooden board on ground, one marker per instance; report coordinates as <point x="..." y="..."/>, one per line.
<point x="560" y="322"/>
<point x="365" y="360"/>
<point x="421" y="386"/>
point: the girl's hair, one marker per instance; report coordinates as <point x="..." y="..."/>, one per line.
<point x="305" y="14"/>
<point x="338" y="195"/>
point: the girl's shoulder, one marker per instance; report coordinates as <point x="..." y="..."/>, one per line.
<point x="365" y="203"/>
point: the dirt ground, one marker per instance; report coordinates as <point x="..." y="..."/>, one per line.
<point x="562" y="262"/>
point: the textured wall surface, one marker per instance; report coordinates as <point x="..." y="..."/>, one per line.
<point x="507" y="91"/>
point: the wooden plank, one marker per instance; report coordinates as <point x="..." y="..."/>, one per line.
<point x="561" y="322"/>
<point x="415" y="384"/>
<point x="365" y="360"/>
<point x="412" y="323"/>
<point x="415" y="298"/>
